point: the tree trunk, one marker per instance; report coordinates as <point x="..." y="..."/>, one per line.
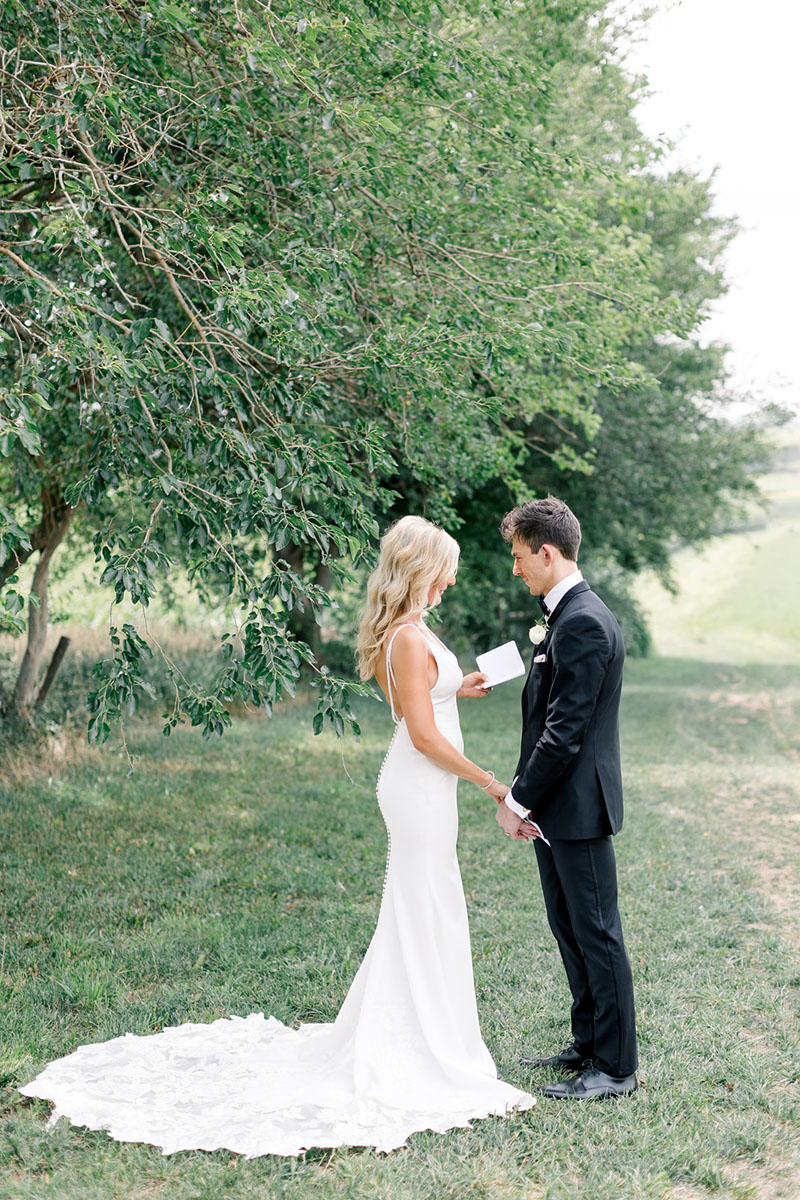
<point x="53" y="510"/>
<point x="52" y="670"/>
<point x="304" y="624"/>
<point x="59" y="520"/>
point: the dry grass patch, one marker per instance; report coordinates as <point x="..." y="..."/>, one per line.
<point x="762" y="807"/>
<point x="49" y="755"/>
<point x="779" y="883"/>
<point x="777" y="1180"/>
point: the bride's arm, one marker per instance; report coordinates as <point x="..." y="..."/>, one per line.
<point x="410" y="667"/>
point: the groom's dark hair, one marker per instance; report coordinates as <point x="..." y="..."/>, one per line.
<point x="539" y="521"/>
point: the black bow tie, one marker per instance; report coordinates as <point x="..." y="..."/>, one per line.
<point x="544" y="607"/>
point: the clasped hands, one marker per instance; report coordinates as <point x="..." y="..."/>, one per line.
<point x="511" y="824"/>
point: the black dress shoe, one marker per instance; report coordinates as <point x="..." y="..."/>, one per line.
<point x="569" y="1059"/>
<point x="591" y="1084"/>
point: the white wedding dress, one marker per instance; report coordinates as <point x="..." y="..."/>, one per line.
<point x="404" y="1054"/>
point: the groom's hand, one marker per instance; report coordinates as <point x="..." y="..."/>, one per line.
<point x="511" y="824"/>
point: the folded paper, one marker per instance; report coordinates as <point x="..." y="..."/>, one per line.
<point x="501" y="664"/>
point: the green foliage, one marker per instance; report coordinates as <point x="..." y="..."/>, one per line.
<point x="268" y="278"/>
<point x="118" y="687"/>
<point x="197" y="658"/>
<point x="661" y="462"/>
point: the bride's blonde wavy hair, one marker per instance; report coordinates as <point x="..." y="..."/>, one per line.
<point x="415" y="555"/>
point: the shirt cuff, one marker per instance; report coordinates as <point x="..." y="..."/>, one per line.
<point x="515" y="807"/>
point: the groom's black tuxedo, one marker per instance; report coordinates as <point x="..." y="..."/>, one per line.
<point x="569" y="769"/>
<point x="569" y="777"/>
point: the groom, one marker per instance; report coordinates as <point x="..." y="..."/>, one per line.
<point x="569" y="783"/>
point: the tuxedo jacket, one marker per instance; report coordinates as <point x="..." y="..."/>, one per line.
<point x="569" y="773"/>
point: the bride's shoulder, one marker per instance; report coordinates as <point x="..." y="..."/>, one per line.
<point x="404" y="636"/>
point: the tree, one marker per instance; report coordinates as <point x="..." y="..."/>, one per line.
<point x="662" y="463"/>
<point x="269" y="276"/>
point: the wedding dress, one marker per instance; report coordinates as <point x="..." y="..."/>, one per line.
<point x="404" y="1054"/>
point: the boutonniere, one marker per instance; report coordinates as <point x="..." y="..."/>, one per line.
<point x="537" y="633"/>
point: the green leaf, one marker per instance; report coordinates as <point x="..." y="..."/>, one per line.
<point x="140" y="329"/>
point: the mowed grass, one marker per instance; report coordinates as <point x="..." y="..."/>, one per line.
<point x="245" y="875"/>
<point x="737" y="597"/>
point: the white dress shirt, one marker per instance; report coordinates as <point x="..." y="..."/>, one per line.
<point x="552" y="599"/>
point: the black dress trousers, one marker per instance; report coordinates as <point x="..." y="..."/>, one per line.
<point x="579" y="882"/>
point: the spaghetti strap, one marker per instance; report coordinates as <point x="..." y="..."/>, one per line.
<point x="390" y="679"/>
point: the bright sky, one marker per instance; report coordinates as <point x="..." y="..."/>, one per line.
<point x="724" y="81"/>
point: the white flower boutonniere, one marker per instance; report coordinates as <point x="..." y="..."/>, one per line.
<point x="537" y="634"/>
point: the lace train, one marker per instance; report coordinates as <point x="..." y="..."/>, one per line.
<point x="235" y="1084"/>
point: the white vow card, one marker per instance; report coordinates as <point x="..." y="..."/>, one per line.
<point x="501" y="664"/>
<point x="538" y="828"/>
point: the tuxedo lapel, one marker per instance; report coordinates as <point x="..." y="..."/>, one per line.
<point x="543" y="646"/>
<point x="564" y="601"/>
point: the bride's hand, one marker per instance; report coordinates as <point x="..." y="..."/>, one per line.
<point x="498" y="791"/>
<point x="472" y="685"/>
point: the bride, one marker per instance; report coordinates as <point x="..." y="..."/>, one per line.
<point x="405" y="1052"/>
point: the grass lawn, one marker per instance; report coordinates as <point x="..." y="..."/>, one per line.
<point x="737" y="597"/>
<point x="245" y="875"/>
